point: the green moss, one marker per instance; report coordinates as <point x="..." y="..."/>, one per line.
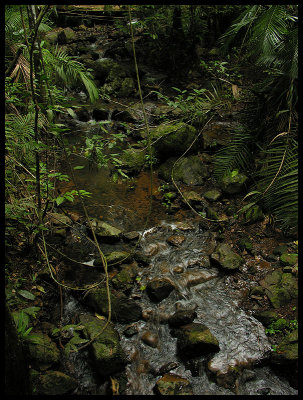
<point x="289" y="259"/>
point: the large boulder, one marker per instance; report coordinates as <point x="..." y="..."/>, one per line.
<point x="124" y="309"/>
<point x="195" y="339"/>
<point x="226" y="258"/>
<point x="173" y="139"/>
<point x="102" y="67"/>
<point x="43" y="352"/>
<point x="280" y="287"/>
<point x="106" y="348"/>
<point x="233" y="182"/>
<point x="189" y="170"/>
<point x="159" y="288"/>
<point x="287" y="351"/>
<point x="56" y="383"/>
<point x="133" y="160"/>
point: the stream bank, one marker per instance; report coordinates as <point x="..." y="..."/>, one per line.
<point x="191" y="299"/>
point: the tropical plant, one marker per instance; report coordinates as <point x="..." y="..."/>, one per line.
<point x="269" y="36"/>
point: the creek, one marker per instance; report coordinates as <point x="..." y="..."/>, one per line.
<point x="199" y="286"/>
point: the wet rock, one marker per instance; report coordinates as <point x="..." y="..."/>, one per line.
<point x="280" y="287"/>
<point x="225" y="257"/>
<point x="83" y="114"/>
<point x="171" y="384"/>
<point x="124" y="279"/>
<point x="150" y="338"/>
<point x="56" y="383"/>
<point x="165" y="368"/>
<point x="142" y="259"/>
<point x="182" y="317"/>
<point x="194" y="340"/>
<point x="174" y="139"/>
<point x="178" y="270"/>
<point x="43" y="353"/>
<point x="106" y="348"/>
<point x="176" y="240"/>
<point x="118" y="257"/>
<point x="183" y="226"/>
<point x="233" y="183"/>
<point x="131" y="330"/>
<point x="213" y="195"/>
<point x="105" y="231"/>
<point x="159" y="288"/>
<point x="124" y="309"/>
<point x="130" y="236"/>
<point x="194" y="278"/>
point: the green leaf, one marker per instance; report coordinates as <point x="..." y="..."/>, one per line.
<point x="27" y="295"/>
<point x="59" y="200"/>
<point x="79" y="167"/>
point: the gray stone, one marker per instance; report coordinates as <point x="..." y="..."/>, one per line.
<point x="225" y="257"/>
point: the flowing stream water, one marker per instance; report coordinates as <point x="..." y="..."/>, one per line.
<point x="198" y="286"/>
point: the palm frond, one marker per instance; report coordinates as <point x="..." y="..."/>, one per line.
<point x="244" y="20"/>
<point x="236" y="154"/>
<point x="71" y="71"/>
<point x="278" y="180"/>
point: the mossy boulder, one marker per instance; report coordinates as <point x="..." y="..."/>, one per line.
<point x="43" y="352"/>
<point x="124" y="309"/>
<point x="56" y="383"/>
<point x="127" y="87"/>
<point x="125" y="278"/>
<point x="280" y="287"/>
<point x="289" y="259"/>
<point x="266" y="317"/>
<point x="102" y="67"/>
<point x="173" y="139"/>
<point x="194" y="340"/>
<point x="172" y="384"/>
<point x="287" y="351"/>
<point x="213" y="195"/>
<point x="107" y="352"/>
<point x="225" y="257"/>
<point x="133" y="160"/>
<point x="67" y="35"/>
<point x="233" y="182"/>
<point x="189" y="170"/>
